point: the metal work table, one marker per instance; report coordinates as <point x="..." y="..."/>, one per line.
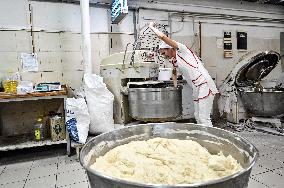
<point x="24" y="140"/>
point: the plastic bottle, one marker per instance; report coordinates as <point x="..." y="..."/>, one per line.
<point x="6" y="84"/>
<point x="39" y="130"/>
<point x="10" y="82"/>
<point x="13" y="86"/>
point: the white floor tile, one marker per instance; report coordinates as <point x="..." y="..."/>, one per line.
<point x="279" y="171"/>
<point x="45" y="161"/>
<point x="2" y="169"/>
<point x="279" y="156"/>
<point x="9" y="176"/>
<point x="78" y="185"/>
<point x="46" y="182"/>
<point x="19" y="184"/>
<point x="19" y="166"/>
<point x="254" y="184"/>
<point x="69" y="166"/>
<point x="65" y="159"/>
<point x="266" y="150"/>
<point x="269" y="163"/>
<point x="271" y="179"/>
<point x="256" y="169"/>
<point x="71" y="177"/>
<point x="43" y="171"/>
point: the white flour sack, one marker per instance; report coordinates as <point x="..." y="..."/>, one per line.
<point x="77" y="119"/>
<point x="100" y="104"/>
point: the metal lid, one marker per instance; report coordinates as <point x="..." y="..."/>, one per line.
<point x="257" y="67"/>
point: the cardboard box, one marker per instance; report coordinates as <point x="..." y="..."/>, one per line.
<point x="57" y="128"/>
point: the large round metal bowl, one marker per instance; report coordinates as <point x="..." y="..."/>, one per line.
<point x="214" y="139"/>
<point x="155" y="104"/>
<point x="265" y="103"/>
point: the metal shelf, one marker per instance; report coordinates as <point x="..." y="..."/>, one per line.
<point x="24" y="141"/>
<point x="32" y="98"/>
<point x="41" y="96"/>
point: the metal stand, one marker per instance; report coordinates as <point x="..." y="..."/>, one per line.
<point x="25" y="141"/>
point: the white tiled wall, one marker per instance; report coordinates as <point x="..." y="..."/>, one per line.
<point x="23" y="41"/>
<point x="57" y="40"/>
<point x="49" y="61"/>
<point x="56" y="53"/>
<point x="71" y="42"/>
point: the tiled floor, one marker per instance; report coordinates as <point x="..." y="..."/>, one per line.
<point x="269" y="169"/>
<point x="55" y="170"/>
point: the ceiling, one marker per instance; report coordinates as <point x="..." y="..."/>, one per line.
<point x="275" y="2"/>
<point x="108" y="2"/>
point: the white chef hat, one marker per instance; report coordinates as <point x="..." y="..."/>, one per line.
<point x="164" y="45"/>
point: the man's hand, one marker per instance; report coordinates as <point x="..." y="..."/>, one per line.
<point x="162" y="36"/>
<point x="155" y="30"/>
<point x="152" y="24"/>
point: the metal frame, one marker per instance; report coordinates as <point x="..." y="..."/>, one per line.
<point x="29" y="144"/>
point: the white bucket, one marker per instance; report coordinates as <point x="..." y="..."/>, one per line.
<point x="165" y="74"/>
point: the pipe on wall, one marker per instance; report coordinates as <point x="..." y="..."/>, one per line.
<point x="86" y="38"/>
<point x="203" y="17"/>
<point x="191" y="8"/>
<point x="200" y="39"/>
<point x="135" y="22"/>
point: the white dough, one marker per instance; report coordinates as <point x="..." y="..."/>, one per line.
<point x="165" y="161"/>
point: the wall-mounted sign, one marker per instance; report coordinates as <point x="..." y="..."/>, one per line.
<point x="242" y="41"/>
<point x="228" y="47"/>
<point x="119" y="9"/>
<point x="227" y="35"/>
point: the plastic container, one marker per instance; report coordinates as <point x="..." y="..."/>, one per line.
<point x="6" y="86"/>
<point x="165" y="74"/>
<point x="25" y="87"/>
<point x="10" y="83"/>
<point x="39" y="130"/>
<point x="13" y="86"/>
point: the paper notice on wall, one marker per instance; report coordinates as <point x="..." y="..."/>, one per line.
<point x="29" y="62"/>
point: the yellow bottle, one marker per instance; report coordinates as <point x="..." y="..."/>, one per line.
<point x="6" y="82"/>
<point x="39" y="130"/>
<point x="13" y="86"/>
<point x="10" y="83"/>
<point x="6" y="86"/>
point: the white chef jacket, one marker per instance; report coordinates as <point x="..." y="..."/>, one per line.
<point x="194" y="73"/>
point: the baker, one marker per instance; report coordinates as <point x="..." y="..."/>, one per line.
<point x="193" y="71"/>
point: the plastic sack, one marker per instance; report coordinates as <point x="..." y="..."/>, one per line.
<point x="77" y="119"/>
<point x="100" y="104"/>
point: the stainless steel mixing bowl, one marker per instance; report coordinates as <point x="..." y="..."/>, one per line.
<point x="264" y="103"/>
<point x="214" y="139"/>
<point x="155" y="104"/>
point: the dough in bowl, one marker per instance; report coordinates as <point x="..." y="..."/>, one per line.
<point x="165" y="161"/>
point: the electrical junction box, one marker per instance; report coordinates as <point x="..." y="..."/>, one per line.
<point x="119" y="10"/>
<point x="242" y="41"/>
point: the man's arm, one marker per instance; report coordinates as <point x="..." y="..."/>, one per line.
<point x="162" y="36"/>
<point x="174" y="77"/>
